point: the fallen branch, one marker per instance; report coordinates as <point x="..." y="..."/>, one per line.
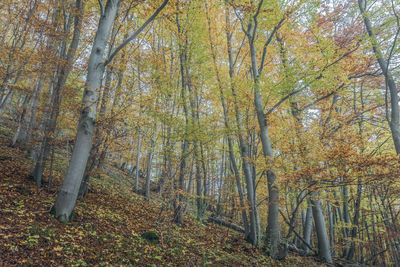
<point x="226" y="224"/>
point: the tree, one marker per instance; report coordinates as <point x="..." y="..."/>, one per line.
<point x="68" y="194"/>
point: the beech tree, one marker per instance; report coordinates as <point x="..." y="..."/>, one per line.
<point x="68" y="194"/>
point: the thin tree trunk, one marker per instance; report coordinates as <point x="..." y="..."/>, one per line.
<point x="61" y="77"/>
<point x="346" y="217"/>
<point x="148" y="171"/>
<point x="20" y="133"/>
<point x="227" y="124"/>
<point x="307" y="228"/>
<point x="188" y="189"/>
<point x="31" y="121"/>
<point x="252" y="232"/>
<point x="51" y="169"/>
<point x="331" y="229"/>
<point x="178" y="204"/>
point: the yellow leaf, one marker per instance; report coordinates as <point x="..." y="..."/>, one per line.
<point x="58" y="248"/>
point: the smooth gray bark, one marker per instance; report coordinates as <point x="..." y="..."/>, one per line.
<point x="68" y="194"/>
<point x="272" y="240"/>
<point x="331" y="229"/>
<point x="346" y="217"/>
<point x="272" y="231"/>
<point x="189" y="189"/>
<point x="139" y="140"/>
<point x="201" y="207"/>
<point x="323" y="241"/>
<point x="31" y="121"/>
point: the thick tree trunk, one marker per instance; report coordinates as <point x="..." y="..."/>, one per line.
<point x="322" y="236"/>
<point x="68" y="194"/>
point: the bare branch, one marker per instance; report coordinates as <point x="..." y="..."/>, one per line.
<point x="135" y="34"/>
<point x="283" y="100"/>
<point x="269" y="40"/>
<point x="322" y="98"/>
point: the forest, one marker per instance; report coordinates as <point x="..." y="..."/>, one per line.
<point x="199" y="133"/>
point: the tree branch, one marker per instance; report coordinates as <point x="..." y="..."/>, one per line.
<point x="282" y="100"/>
<point x="269" y="40"/>
<point x="134" y="35"/>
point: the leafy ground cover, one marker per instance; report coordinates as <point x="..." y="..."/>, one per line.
<point x="107" y="227"/>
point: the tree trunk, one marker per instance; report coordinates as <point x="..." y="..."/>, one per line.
<point x="148" y="171"/>
<point x="346" y="217"/>
<point x="307" y="228"/>
<point x="68" y="194"/>
<point x="20" y="134"/>
<point x="272" y="232"/>
<point x="227" y="124"/>
<point x="252" y="232"/>
<point x="31" y="121"/>
<point x="322" y="236"/>
<point x="183" y="59"/>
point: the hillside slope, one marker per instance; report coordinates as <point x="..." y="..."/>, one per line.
<point x="107" y="227"/>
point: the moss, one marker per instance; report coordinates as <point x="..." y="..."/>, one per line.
<point x="151" y="237"/>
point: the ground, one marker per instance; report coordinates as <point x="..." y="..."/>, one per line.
<point x="107" y="226"/>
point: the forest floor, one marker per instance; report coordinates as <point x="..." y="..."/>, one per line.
<point x="107" y="227"/>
